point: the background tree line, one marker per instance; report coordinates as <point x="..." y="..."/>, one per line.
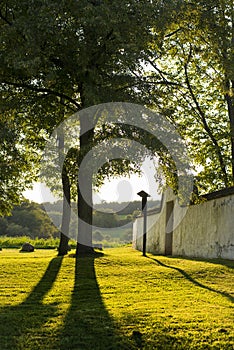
<point x="28" y="219"/>
<point x="31" y="220"/>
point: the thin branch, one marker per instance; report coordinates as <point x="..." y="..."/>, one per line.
<point x="157" y="69"/>
<point x="173" y="33"/>
<point x="230" y="103"/>
<point x="163" y="82"/>
<point x="5" y="19"/>
<point x="43" y="90"/>
<point x="68" y="106"/>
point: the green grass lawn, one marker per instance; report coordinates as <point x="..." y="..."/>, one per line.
<point x="117" y="300"/>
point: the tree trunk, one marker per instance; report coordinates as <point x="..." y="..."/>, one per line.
<point x="230" y="103"/>
<point x="85" y="203"/>
<point x="64" y="234"/>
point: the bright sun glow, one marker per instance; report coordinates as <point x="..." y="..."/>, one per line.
<point x="122" y="189"/>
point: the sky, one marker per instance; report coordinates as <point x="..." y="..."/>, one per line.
<point x="122" y="189"/>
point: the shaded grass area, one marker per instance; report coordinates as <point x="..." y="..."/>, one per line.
<point x="114" y="300"/>
<point x="87" y="324"/>
<point x="21" y="324"/>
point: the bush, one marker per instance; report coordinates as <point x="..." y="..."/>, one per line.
<point x="17" y="242"/>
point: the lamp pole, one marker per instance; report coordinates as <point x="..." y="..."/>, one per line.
<point x="144" y="197"/>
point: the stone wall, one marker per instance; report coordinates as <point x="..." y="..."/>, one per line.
<point x="203" y="230"/>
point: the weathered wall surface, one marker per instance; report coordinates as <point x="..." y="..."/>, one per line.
<point x="203" y="230"/>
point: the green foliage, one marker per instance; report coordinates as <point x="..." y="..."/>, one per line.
<point x="108" y="219"/>
<point x="3" y="226"/>
<point x="16" y="158"/>
<point x="28" y="219"/>
<point x="190" y="80"/>
<point x="39" y="243"/>
<point x="60" y="57"/>
<point x="112" y="215"/>
<point x="118" y="238"/>
<point x="125" y="208"/>
<point x="14" y="229"/>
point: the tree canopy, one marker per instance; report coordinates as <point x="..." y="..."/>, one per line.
<point x="190" y="73"/>
<point x="56" y="56"/>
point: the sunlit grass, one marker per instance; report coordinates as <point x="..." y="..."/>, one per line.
<point x="117" y="300"/>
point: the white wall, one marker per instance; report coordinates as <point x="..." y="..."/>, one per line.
<point x="202" y="230"/>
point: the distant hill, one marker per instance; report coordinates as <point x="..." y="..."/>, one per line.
<point x="125" y="208"/>
<point x="106" y="216"/>
<point x="28" y="219"/>
<point x="111" y="220"/>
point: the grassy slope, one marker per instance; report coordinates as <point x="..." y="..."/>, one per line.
<point x="119" y="300"/>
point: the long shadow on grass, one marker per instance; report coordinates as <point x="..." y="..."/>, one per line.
<point x="88" y="324"/>
<point x="195" y="282"/>
<point x="21" y="325"/>
<point x="215" y="261"/>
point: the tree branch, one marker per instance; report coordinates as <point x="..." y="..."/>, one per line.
<point x="157" y="69"/>
<point x="230" y="104"/>
<point x="5" y="19"/>
<point x="5" y="16"/>
<point x="204" y="122"/>
<point x="173" y="33"/>
<point x="163" y="82"/>
<point x="43" y="90"/>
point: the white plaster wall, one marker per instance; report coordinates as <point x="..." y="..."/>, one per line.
<point x="155" y="237"/>
<point x="207" y="230"/>
<point x="203" y="230"/>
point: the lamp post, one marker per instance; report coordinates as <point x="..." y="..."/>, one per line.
<point x="144" y="197"/>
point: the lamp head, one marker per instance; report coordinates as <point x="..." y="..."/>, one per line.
<point x="143" y="194"/>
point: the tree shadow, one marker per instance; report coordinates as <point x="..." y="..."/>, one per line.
<point x="215" y="261"/>
<point x="21" y="324"/>
<point x="88" y="325"/>
<point x="192" y="280"/>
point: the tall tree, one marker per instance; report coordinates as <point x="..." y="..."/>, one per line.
<point x="190" y="81"/>
<point x="75" y="53"/>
